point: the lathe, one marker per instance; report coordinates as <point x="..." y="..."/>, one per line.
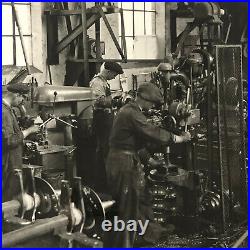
<point x="41" y="210"/>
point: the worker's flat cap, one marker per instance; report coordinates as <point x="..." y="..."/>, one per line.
<point x="164" y="67"/>
<point x="150" y="92"/>
<point x="20" y="88"/>
<point x="113" y="66"/>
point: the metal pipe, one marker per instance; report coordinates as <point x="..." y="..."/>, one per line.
<point x="98" y="42"/>
<point x="85" y="43"/>
<point x="240" y="240"/>
<point x="222" y="172"/>
<point x="40" y="227"/>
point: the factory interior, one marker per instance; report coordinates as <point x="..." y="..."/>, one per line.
<point x="83" y="71"/>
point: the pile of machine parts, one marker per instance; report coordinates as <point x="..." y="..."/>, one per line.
<point x="52" y="217"/>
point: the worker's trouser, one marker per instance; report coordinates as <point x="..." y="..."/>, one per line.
<point x="125" y="181"/>
<point x="102" y="125"/>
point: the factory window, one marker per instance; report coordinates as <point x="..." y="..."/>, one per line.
<point x="12" y="52"/>
<point x="139" y="20"/>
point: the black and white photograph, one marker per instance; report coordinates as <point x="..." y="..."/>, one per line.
<point x="124" y="124"/>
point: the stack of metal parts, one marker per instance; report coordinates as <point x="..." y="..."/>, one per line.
<point x="164" y="196"/>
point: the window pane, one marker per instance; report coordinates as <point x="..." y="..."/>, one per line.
<point x="127" y="5"/>
<point x="139" y="23"/>
<point x="149" y="5"/>
<point x="130" y="47"/>
<point x="139" y="5"/>
<point x="7" y="20"/>
<point x="7" y="51"/>
<point x="128" y="22"/>
<point x="24" y="17"/>
<point x="150" y="23"/>
<point x="19" y="51"/>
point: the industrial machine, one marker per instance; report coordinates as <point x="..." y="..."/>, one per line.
<point x="201" y="187"/>
<point x="39" y="210"/>
<point x="64" y="113"/>
<point x="53" y="200"/>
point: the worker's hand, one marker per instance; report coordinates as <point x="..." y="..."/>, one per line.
<point x="186" y="136"/>
<point x="34" y="129"/>
<point x="30" y="130"/>
<point x="154" y="163"/>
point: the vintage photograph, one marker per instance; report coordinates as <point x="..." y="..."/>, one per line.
<point x="124" y="124"/>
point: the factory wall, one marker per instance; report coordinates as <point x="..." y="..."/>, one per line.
<point x="145" y="47"/>
<point x="153" y="46"/>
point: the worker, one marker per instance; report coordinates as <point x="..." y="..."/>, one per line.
<point x="103" y="118"/>
<point x="130" y="132"/>
<point x="12" y="137"/>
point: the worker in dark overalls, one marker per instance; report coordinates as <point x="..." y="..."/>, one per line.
<point x="12" y="138"/>
<point x="131" y="131"/>
<point x="103" y="118"/>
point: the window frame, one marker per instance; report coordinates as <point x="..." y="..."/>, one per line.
<point x="15" y="35"/>
<point x="133" y="10"/>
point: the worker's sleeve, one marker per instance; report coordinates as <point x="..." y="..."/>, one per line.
<point x="97" y="87"/>
<point x="99" y="92"/>
<point x="10" y="137"/>
<point x="149" y="131"/>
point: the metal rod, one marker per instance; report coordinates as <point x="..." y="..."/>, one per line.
<point x="240" y="240"/>
<point x="223" y="209"/>
<point x="98" y="42"/>
<point x="242" y="135"/>
<point x="85" y="43"/>
<point x="44" y="124"/>
<point x="226" y="141"/>
<point x="228" y="31"/>
<point x="40" y="227"/>
<point x="21" y="37"/>
<point x="124" y="46"/>
<point x="14" y="37"/>
<point x="66" y="123"/>
<point x="209" y="127"/>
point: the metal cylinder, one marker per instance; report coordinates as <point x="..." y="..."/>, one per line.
<point x="39" y="228"/>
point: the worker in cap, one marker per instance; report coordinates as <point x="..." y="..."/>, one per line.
<point x="12" y="138"/>
<point x="164" y="72"/>
<point x="164" y="67"/>
<point x="19" y="88"/>
<point x="130" y="132"/>
<point x="113" y="66"/>
<point x="151" y="93"/>
<point x="103" y="118"/>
